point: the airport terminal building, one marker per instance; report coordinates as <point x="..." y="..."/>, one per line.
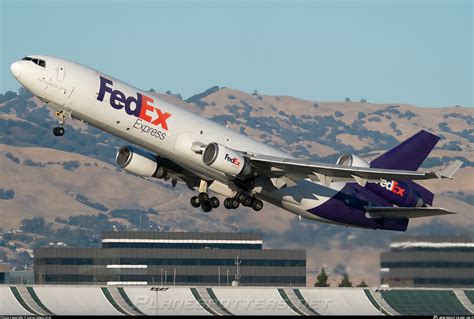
<point x="428" y="261"/>
<point x="160" y="258"/>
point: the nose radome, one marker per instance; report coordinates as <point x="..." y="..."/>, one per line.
<point x="16" y="68"/>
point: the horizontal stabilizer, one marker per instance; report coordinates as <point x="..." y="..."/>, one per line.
<point x="406" y="212"/>
<point x="450" y="170"/>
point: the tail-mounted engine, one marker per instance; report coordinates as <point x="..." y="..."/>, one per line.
<point x="347" y="159"/>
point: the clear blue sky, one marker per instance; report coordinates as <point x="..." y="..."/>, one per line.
<point x="419" y="52"/>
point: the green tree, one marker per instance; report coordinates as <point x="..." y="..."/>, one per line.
<point x="36" y="225"/>
<point x="322" y="279"/>
<point x="345" y="282"/>
<point x="362" y="284"/>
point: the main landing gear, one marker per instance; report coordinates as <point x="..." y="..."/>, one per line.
<point x="59" y="130"/>
<point x="249" y="201"/>
<point x="231" y="203"/>
<point x="207" y="203"/>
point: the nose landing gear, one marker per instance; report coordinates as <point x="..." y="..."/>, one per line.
<point x="59" y="130"/>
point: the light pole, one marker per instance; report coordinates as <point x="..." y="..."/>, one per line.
<point x="237" y="263"/>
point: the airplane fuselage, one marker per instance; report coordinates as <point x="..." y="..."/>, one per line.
<point x="171" y="131"/>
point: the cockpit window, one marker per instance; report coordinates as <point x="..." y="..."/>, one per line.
<point x="39" y="62"/>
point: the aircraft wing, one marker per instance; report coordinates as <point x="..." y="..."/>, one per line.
<point x="406" y="212"/>
<point x="294" y="169"/>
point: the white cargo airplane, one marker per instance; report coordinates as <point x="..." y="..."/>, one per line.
<point x="183" y="146"/>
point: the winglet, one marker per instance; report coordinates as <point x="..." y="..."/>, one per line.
<point x="450" y="170"/>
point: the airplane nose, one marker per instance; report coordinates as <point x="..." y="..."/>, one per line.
<point x="16" y="68"/>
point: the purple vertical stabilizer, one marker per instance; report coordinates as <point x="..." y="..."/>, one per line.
<point x="409" y="155"/>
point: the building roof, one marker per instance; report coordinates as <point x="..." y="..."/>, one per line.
<point x="180" y="235"/>
<point x="4" y="267"/>
<point x="441" y="242"/>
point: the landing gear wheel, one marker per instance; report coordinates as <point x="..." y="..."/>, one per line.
<point x="214" y="202"/>
<point x="195" y="202"/>
<point x="206" y="207"/>
<point x="244" y="199"/>
<point x="247" y="201"/>
<point x="240" y="196"/>
<point x="58" y="131"/>
<point x="227" y="203"/>
<point x="203" y="197"/>
<point x="234" y="203"/>
<point x="257" y="205"/>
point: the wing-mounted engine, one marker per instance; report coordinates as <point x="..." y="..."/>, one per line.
<point x="139" y="162"/>
<point x="227" y="160"/>
<point x="347" y="159"/>
<point x="142" y="163"/>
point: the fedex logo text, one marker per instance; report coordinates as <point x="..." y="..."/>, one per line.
<point x="392" y="186"/>
<point x="233" y="160"/>
<point x="140" y="106"/>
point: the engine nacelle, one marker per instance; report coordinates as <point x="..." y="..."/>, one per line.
<point x="226" y="160"/>
<point x="139" y="162"/>
<point x="347" y="159"/>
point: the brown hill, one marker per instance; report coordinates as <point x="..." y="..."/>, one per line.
<point x="52" y="183"/>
